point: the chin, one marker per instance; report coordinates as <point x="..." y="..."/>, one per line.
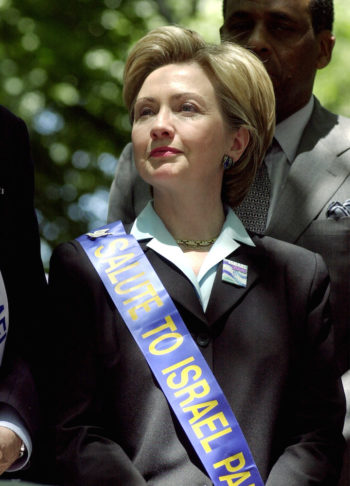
<point x="165" y="176"/>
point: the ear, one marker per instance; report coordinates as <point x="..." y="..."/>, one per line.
<point x="241" y="139"/>
<point x="326" y="41"/>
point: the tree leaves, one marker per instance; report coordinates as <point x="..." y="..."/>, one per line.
<point x="61" y="66"/>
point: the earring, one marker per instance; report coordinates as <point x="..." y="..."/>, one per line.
<point x="227" y="162"/>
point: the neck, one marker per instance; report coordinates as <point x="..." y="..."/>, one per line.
<point x="190" y="216"/>
<point x="284" y="111"/>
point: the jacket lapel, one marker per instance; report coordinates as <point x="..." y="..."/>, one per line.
<point x="224" y="295"/>
<point x="316" y="174"/>
<point x="177" y="284"/>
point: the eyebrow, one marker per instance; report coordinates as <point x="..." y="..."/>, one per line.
<point x="176" y="96"/>
<point x="144" y="98"/>
<point x="282" y="16"/>
<point x="276" y="14"/>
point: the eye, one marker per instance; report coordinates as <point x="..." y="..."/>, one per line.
<point x="143" y="112"/>
<point x="237" y="29"/>
<point x="188" y="107"/>
<point x="240" y="26"/>
<point x="146" y="111"/>
<point x="280" y="27"/>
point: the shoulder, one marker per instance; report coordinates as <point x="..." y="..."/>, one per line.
<point x="281" y="250"/>
<point x="14" y="140"/>
<point x="127" y="151"/>
<point x="72" y="251"/>
<point x="69" y="260"/>
<point x="69" y="252"/>
<point x="341" y="121"/>
<point x="9" y="121"/>
<point x="330" y="123"/>
<point x="126" y="158"/>
<point x="6" y="114"/>
<point x="296" y="261"/>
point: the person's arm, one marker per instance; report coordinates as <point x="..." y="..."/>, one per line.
<point x="315" y="419"/>
<point x="88" y="452"/>
<point x="25" y="289"/>
<point x="13" y="437"/>
<point x="19" y="412"/>
<point x="129" y="194"/>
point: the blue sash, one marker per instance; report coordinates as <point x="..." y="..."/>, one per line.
<point x="175" y="360"/>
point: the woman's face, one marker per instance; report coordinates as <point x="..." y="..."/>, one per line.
<point x="179" y="134"/>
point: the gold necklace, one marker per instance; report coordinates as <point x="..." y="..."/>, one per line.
<point x="196" y="243"/>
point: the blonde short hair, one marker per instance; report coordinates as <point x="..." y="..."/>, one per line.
<point x="242" y="85"/>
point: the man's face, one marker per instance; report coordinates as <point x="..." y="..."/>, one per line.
<point x="280" y="32"/>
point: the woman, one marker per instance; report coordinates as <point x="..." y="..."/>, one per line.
<point x="202" y="118"/>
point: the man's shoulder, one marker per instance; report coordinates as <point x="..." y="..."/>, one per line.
<point x="10" y="124"/>
<point x="323" y="116"/>
<point x="329" y="129"/>
<point x="8" y="116"/>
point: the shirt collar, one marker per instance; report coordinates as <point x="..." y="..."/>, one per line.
<point x="289" y="131"/>
<point x="232" y="234"/>
<point x="148" y="225"/>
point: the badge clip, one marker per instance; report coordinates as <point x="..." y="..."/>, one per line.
<point x="99" y="234"/>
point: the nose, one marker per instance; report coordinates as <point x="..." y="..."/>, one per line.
<point x="258" y="41"/>
<point x="162" y="127"/>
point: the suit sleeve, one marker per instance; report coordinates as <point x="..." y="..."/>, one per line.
<point x="18" y="390"/>
<point x="20" y="240"/>
<point x="129" y="193"/>
<point x="314" y="448"/>
<point x="20" y="263"/>
<point x="86" y="452"/>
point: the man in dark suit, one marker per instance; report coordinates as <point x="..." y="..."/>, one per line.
<point x="22" y="296"/>
<point x="294" y="38"/>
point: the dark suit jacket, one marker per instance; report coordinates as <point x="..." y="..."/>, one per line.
<point x="269" y="346"/>
<point x="319" y="175"/>
<point x="21" y="267"/>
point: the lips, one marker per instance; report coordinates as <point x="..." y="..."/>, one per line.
<point x="164" y="152"/>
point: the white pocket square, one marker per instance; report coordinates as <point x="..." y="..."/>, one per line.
<point x="336" y="210"/>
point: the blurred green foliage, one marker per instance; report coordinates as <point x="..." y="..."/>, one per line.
<point x="332" y="83"/>
<point x="61" y="66"/>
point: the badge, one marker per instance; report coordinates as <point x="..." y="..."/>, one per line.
<point x="99" y="234"/>
<point x="234" y="273"/>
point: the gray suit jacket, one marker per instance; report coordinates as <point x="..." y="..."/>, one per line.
<point x="319" y="175"/>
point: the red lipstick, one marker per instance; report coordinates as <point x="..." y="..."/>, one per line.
<point x="164" y="151"/>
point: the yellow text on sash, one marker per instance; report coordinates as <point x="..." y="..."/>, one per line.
<point x="234" y="464"/>
<point x="166" y="342"/>
<point x="147" y="295"/>
<point x="184" y="377"/>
